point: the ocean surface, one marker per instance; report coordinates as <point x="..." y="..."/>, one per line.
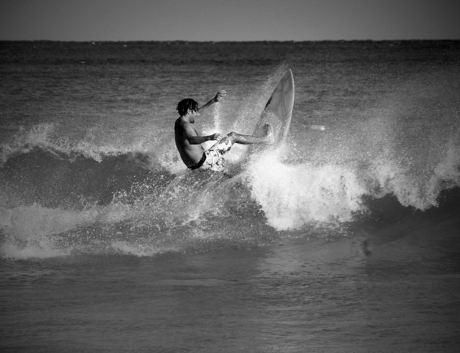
<point x="342" y="240"/>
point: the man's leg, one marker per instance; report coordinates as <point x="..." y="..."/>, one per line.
<point x="214" y="160"/>
<point x="226" y="143"/>
<point x="251" y="140"/>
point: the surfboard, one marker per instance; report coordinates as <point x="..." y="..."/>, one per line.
<point x="278" y="109"/>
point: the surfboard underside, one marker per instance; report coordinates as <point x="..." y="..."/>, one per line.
<point x="278" y="110"/>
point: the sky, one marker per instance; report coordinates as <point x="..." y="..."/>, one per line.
<point x="228" y="20"/>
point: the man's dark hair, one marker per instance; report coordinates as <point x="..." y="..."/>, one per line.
<point x="185" y="104"/>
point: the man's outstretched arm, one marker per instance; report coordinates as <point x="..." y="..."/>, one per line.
<point x="216" y="99"/>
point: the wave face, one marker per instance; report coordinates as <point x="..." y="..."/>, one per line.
<point x="58" y="203"/>
<point x="89" y="166"/>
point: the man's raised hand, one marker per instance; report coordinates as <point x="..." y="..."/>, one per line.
<point x="220" y="95"/>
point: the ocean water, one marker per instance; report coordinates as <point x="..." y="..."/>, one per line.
<point x="341" y="240"/>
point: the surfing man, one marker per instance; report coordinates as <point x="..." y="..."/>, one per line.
<point x="188" y="140"/>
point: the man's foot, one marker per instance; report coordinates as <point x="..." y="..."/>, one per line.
<point x="269" y="134"/>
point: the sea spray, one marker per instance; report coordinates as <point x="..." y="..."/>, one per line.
<point x="216" y="113"/>
<point x="293" y="196"/>
<point x="446" y="174"/>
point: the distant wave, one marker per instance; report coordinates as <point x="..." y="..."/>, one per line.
<point x="40" y="136"/>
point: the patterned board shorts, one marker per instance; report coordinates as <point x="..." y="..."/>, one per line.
<point x="214" y="155"/>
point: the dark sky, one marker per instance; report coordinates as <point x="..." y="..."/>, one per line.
<point x="234" y="20"/>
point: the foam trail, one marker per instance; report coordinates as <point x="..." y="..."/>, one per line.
<point x="31" y="229"/>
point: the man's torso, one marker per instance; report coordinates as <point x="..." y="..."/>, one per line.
<point x="190" y="154"/>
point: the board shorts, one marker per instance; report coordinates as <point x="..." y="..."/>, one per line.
<point x="213" y="157"/>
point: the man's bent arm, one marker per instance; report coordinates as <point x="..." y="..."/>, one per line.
<point x="194" y="139"/>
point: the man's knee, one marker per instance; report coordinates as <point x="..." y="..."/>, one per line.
<point x="232" y="135"/>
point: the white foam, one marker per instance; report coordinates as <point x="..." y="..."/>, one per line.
<point x="295" y="195"/>
<point x="33" y="231"/>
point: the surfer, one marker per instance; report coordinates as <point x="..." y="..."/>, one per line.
<point x="188" y="140"/>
